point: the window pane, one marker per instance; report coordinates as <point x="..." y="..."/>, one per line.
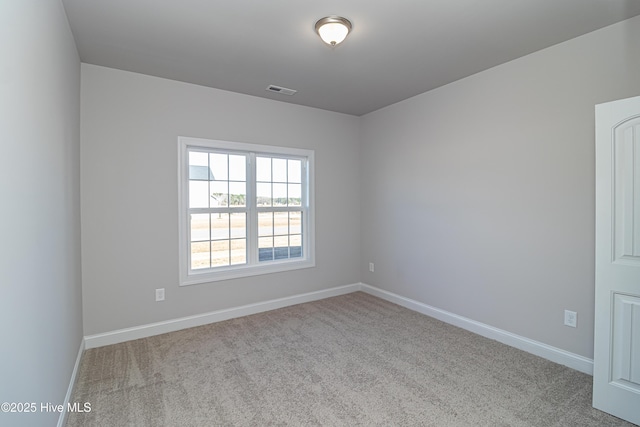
<point x="281" y="241"/>
<point x="281" y="247"/>
<point x="220" y="253"/>
<point x="265" y="224"/>
<point x="238" y="251"/>
<point x="279" y="170"/>
<point x="199" y="166"/>
<point x="238" y="193"/>
<point x="295" y="171"/>
<point x="237" y="168"/>
<point x="238" y="225"/>
<point x="200" y="227"/>
<point x="264" y="194"/>
<point x="295" y="246"/>
<point x="219" y="166"/>
<point x="219" y="226"/>
<point x="200" y="255"/>
<point x="279" y="194"/>
<point x="295" y="195"/>
<point x="295" y="222"/>
<point x="281" y="223"/>
<point x="263" y="169"/>
<point x="265" y="242"/>
<point x="198" y="194"/>
<point x="198" y="158"/>
<point x="265" y="248"/>
<point x="219" y="196"/>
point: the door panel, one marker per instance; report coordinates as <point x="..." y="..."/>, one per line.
<point x="625" y="352"/>
<point x="626" y="146"/>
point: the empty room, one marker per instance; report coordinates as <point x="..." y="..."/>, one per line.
<point x="412" y="213"/>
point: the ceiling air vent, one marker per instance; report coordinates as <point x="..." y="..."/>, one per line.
<point x="282" y="90"/>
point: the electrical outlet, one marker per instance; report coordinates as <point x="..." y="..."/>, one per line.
<point x="371" y="267"/>
<point x="570" y="318"/>
<point x="160" y="294"/>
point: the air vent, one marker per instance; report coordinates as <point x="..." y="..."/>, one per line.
<point x="282" y="90"/>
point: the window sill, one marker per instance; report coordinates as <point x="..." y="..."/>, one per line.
<point x="243" y="271"/>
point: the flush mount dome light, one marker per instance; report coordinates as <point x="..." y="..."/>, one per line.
<point x="333" y="29"/>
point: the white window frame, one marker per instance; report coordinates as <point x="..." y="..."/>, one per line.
<point x="253" y="266"/>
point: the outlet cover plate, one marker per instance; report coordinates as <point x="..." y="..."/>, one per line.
<point x="570" y="318"/>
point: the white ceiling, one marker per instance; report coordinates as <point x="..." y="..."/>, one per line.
<point x="397" y="49"/>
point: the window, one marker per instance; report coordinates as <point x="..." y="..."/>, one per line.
<point x="245" y="209"/>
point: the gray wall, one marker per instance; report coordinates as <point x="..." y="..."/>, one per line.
<point x="40" y="305"/>
<point x="130" y="126"/>
<point x="478" y="197"/>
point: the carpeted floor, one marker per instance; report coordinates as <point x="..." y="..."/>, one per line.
<point x="344" y="361"/>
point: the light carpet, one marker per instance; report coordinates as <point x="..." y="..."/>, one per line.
<point x="343" y="361"/>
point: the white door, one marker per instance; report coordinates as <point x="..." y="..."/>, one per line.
<point x="616" y="370"/>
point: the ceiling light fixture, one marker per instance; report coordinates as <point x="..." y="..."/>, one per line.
<point x="333" y="29"/>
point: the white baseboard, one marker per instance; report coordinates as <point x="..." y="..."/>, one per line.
<point x="143" y="331"/>
<point x="572" y="360"/>
<point x="62" y="419"/>
<point x="548" y="352"/>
